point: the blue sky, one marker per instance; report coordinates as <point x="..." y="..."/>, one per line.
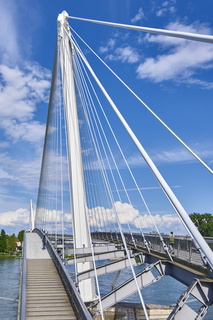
<point x="174" y="77"/>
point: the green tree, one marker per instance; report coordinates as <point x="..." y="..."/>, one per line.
<point x="3" y="241"/>
<point x="204" y="223"/>
<point x="11" y="243"/>
<point x="21" y="235"/>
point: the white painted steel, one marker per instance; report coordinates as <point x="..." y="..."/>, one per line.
<point x="165" y="187"/>
<point x="80" y="226"/>
<point x="108" y="268"/>
<point x="32" y="217"/>
<point x="101" y="256"/>
<point x="106" y="248"/>
<point x="170" y="33"/>
<point x="144" y="278"/>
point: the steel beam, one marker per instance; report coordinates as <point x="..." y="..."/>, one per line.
<point x="105" y="256"/>
<point x="107" y="268"/>
<point x="184" y="274"/>
<point x="177" y="34"/>
<point x="96" y="249"/>
<point x="144" y="278"/>
<point x="183" y="311"/>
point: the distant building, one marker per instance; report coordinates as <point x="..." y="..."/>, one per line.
<point x="18" y="243"/>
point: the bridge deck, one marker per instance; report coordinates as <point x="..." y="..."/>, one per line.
<point x="46" y="296"/>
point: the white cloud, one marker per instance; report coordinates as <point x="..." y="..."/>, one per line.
<point x="139" y="16"/>
<point x="32" y="131"/>
<point x="126" y="54"/>
<point x="20" y="91"/>
<point x="24" y="88"/>
<point x="19" y="20"/>
<point x="175" y="155"/>
<point x="111" y="43"/>
<point x="23" y="84"/>
<point x="14" y="99"/>
<point x="100" y="217"/>
<point x="168" y="7"/>
<point x="103" y="49"/>
<point x="15" y="218"/>
<point x="6" y="175"/>
<point x="109" y="46"/>
<point x="163" y="222"/>
<point x="4" y="144"/>
<point x="179" y="64"/>
<point x="19" y="172"/>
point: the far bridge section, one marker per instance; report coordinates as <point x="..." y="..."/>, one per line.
<point x="184" y="248"/>
<point x="186" y="267"/>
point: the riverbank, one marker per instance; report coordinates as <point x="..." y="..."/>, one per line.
<point x="5" y="255"/>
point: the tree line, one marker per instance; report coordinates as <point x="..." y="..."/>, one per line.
<point x="9" y="243"/>
<point x="204" y="223"/>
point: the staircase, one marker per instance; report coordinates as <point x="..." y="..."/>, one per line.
<point x="46" y="296"/>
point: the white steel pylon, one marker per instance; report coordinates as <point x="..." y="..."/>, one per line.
<point x="80" y="224"/>
<point x="32" y="217"/>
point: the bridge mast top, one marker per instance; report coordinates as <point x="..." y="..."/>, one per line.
<point x="62" y="18"/>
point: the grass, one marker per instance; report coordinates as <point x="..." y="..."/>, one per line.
<point x="69" y="256"/>
<point x="7" y="255"/>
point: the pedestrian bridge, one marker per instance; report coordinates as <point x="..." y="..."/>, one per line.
<point x="90" y="185"/>
<point x="49" y="291"/>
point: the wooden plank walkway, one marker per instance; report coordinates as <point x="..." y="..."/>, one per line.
<point x="46" y="296"/>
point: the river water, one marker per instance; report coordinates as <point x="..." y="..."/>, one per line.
<point x="9" y="288"/>
<point x="165" y="292"/>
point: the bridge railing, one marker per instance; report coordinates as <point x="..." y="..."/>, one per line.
<point x="183" y="246"/>
<point x="22" y="301"/>
<point x="77" y="303"/>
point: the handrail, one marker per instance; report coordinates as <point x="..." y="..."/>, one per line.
<point x="23" y="282"/>
<point x="75" y="299"/>
<point x="181" y="244"/>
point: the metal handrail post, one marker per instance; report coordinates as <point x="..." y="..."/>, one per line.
<point x="23" y="281"/>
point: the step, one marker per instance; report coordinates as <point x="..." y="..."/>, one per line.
<point x="47" y="291"/>
<point x="40" y="299"/>
<point x="57" y="317"/>
<point x="50" y="284"/>
<point x="50" y="313"/>
<point x="46" y="295"/>
<point x="49" y="308"/>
